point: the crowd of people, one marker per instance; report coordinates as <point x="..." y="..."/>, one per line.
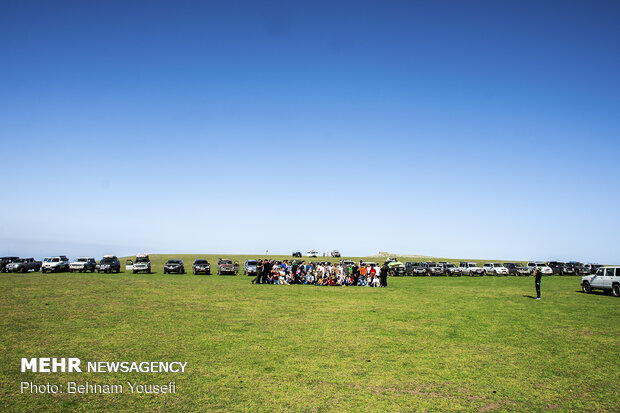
<point x="322" y="274"/>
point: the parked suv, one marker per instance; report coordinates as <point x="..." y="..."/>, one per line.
<point x="55" y="264"/>
<point x="544" y="268"/>
<point x="83" y="265"/>
<point x="225" y="267"/>
<point x="415" y="268"/>
<point x="470" y="268"/>
<point x="109" y="263"/>
<point x="451" y="269"/>
<point x="396" y="268"/>
<point x="606" y="279"/>
<point x="174" y="266"/>
<point x="432" y="268"/>
<point x="23" y="265"/>
<point x="4" y="261"/>
<point x="335" y="254"/>
<point x="577" y="267"/>
<point x="592" y="268"/>
<point x="495" y="268"/>
<point x="297" y="254"/>
<point x="249" y="268"/>
<point x="202" y="266"/>
<point x="142" y="264"/>
<point x="557" y="267"/>
<point x="516" y="268"/>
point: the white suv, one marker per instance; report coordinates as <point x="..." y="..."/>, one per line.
<point x="495" y="268"/>
<point x="544" y="268"/>
<point x="55" y="264"/>
<point x="606" y="278"/>
<point x="142" y="263"/>
<point x="471" y="268"/>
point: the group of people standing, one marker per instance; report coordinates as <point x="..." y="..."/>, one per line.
<point x="363" y="275"/>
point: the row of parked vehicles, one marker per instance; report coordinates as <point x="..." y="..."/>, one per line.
<point x="494" y="268"/>
<point x="142" y="263"/>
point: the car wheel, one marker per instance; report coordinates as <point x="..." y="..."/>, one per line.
<point x="586" y="287"/>
<point x="615" y="289"/>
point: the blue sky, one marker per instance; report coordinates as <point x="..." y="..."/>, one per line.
<point x="456" y="129"/>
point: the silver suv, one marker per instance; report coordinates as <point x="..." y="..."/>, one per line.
<point x="55" y="264"/>
<point x="606" y="279"/>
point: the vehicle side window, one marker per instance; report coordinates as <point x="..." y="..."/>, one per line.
<point x="600" y="271"/>
<point x="610" y="272"/>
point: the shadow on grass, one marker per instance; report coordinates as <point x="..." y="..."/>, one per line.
<point x="530" y="296"/>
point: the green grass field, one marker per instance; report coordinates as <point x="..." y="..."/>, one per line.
<point x="435" y="344"/>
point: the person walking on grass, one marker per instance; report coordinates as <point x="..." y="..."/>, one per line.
<point x="537" y="278"/>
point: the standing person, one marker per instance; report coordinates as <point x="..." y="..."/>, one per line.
<point x="383" y="274"/>
<point x="356" y="274"/>
<point x="268" y="268"/>
<point x="259" y="269"/>
<point x="537" y="278"/>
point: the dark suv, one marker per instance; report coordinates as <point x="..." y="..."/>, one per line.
<point x="174" y="266"/>
<point x="201" y="266"/>
<point x="109" y="263"/>
<point x="297" y="254"/>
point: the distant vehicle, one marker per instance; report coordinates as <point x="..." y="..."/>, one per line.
<point x="592" y="268"/>
<point x="23" y="265"/>
<point x="109" y="263"/>
<point x="347" y="263"/>
<point x="201" y="266"/>
<point x="606" y="279"/>
<point x="495" y="268"/>
<point x="396" y="268"/>
<point x="55" y="264"/>
<point x="516" y="268"/>
<point x="557" y="267"/>
<point x="312" y="254"/>
<point x="415" y="268"/>
<point x="433" y="268"/>
<point x="578" y="268"/>
<point x="367" y="264"/>
<point x="175" y="266"/>
<point x="335" y="254"/>
<point x="4" y="261"/>
<point x="470" y="268"/>
<point x="451" y="269"/>
<point x="83" y="264"/>
<point x="225" y="267"/>
<point x="250" y="267"/>
<point x="142" y="264"/>
<point x="297" y="254"/>
<point x="544" y="268"/>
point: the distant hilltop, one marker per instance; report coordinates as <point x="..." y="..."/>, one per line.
<point x="390" y="254"/>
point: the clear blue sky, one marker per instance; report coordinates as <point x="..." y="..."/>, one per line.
<point x="483" y="129"/>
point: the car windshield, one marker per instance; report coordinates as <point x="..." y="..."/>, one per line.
<point x="224" y="262"/>
<point x="518" y="265"/>
<point x="200" y="262"/>
<point x="174" y="262"/>
<point x="106" y="261"/>
<point x="82" y="260"/>
<point x="252" y="262"/>
<point x="450" y="265"/>
<point x="498" y="265"/>
<point x="142" y="259"/>
<point x="473" y="264"/>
